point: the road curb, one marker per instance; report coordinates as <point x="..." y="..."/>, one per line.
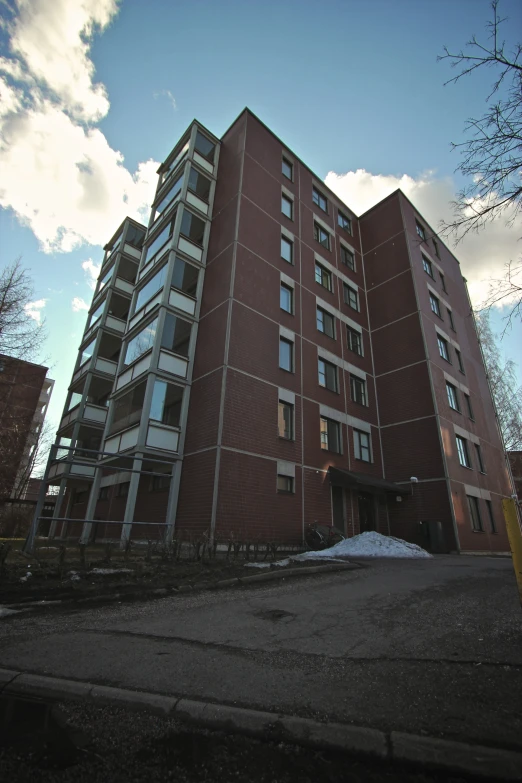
<point x="428" y="752"/>
<point x="161" y="592"/>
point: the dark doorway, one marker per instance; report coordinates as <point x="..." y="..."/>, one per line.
<point x="338" y="509"/>
<point x="366" y="512"/>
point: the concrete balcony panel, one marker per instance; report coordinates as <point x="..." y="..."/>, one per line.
<point x="82" y="370"/>
<point x="106" y="366"/>
<point x="69" y="417"/>
<point x="111" y="322"/>
<point x="201" y="161"/>
<point x="190" y="249"/>
<point x="132" y="251"/>
<point x="122" y="441"/>
<point x="182" y="301"/>
<point x="173" y="364"/>
<point x="164" y="438"/>
<point x="95" y="413"/>
<point x="197" y="202"/>
<point x="123" y="285"/>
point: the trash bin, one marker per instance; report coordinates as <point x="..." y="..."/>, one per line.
<point x="433" y="536"/>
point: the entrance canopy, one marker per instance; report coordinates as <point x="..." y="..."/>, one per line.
<point x="362" y="482"/>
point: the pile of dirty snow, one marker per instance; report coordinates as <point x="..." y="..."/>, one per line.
<point x="370" y="544"/>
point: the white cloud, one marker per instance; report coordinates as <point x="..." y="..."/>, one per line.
<point x="482" y="256"/>
<point x="92" y="270"/>
<point x="168" y="95"/>
<point x="33" y="309"/>
<point x="79" y="304"/>
<point x="79" y="187"/>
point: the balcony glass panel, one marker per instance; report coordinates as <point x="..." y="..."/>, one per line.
<point x="166" y="403"/>
<point x="176" y="335"/>
<point x="205" y="147"/>
<point x="199" y="184"/>
<point x="96" y="315"/>
<point x="128" y="408"/>
<point x="141" y="343"/>
<point x="159" y="241"/>
<point x="177" y="160"/>
<point x="192" y="227"/>
<point x="151" y="288"/>
<point x="75" y="400"/>
<point x="169" y="197"/>
<point x="185" y="277"/>
<point x="87" y="352"/>
<point x="135" y="236"/>
<point x="106" y="278"/>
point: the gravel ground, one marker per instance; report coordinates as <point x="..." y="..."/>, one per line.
<point x="87" y="744"/>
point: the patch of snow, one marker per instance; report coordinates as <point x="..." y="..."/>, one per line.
<point x="5" y="612"/>
<point x="74" y="576"/>
<point x="105" y="571"/>
<point x="257" y="565"/>
<point x="369" y="544"/>
<point x="26" y="577"/>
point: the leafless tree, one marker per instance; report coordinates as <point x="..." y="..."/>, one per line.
<point x="503" y="380"/>
<point x="21" y="336"/>
<point x="491" y="154"/>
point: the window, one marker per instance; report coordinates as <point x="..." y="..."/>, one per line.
<point x="87" y="352"/>
<point x="135" y="236"/>
<point x="285" y="483"/>
<point x="469" y="407"/>
<point x="323" y="276"/>
<point x="151" y="288"/>
<point x="462" y="450"/>
<point x="420" y="231"/>
<point x="325" y="322"/>
<point x="321" y="236"/>
<point x="435" y="305"/>
<point x="123" y="489"/>
<point x="128" y="408"/>
<point x="479" y="458"/>
<point x="354" y="339"/>
<point x="344" y="222"/>
<point x="287" y="169"/>
<point x="287" y="250"/>
<point x="347" y="258"/>
<point x="437" y="253"/>
<point x="160" y="482"/>
<point x="285" y="420"/>
<point x="358" y="390"/>
<point x="141" y="343"/>
<point x="103" y="493"/>
<point x="361" y="442"/>
<point x="492" y="524"/>
<point x="199" y="184"/>
<point x="330" y="435"/>
<point x="166" y="403"/>
<point x="287" y="206"/>
<point x="106" y="278"/>
<point x="205" y="147"/>
<point x="450" y="316"/>
<point x="169" y="197"/>
<point x="459" y="360"/>
<point x="173" y="166"/>
<point x="80" y="497"/>
<point x="97" y="314"/>
<point x="159" y="242"/>
<point x="427" y="266"/>
<point x="351" y="297"/>
<point x="452" y="396"/>
<point x="192" y="227"/>
<point x="443" y="347"/>
<point x="185" y="277"/>
<point x="286" y="354"/>
<point x="286" y="298"/>
<point x="474" y="510"/>
<point x="443" y="282"/>
<point x="319" y="200"/>
<point x="327" y="375"/>
<point x="176" y="335"/>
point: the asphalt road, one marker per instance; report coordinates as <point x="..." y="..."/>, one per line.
<point x="427" y="646"/>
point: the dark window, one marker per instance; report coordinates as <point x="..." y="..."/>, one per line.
<point x="354" y="339"/>
<point x="87" y="352"/>
<point x="362" y="445"/>
<point x="141" y="343"/>
<point x="347" y="258"/>
<point x="287" y="168"/>
<point x="344" y="222"/>
<point x="286" y="298"/>
<point x="166" y="403"/>
<point x="79" y="497"/>
<point x="325" y="322"/>
<point x="479" y="458"/>
<point x="169" y="197"/>
<point x="103" y="493"/>
<point x="469" y="406"/>
<point x="199" y="184"/>
<point x="358" y="390"/>
<point x="128" y="408"/>
<point x="443" y="347"/>
<point x="323" y="276"/>
<point x="474" y="510"/>
<point x="176" y="335"/>
<point x="287" y="249"/>
<point x="123" y="489"/>
<point x="492" y="524"/>
<point x="443" y="282"/>
<point x="185" y="277"/>
<point x="151" y="288"/>
<point x="319" y="200"/>
<point x="420" y="231"/>
<point x="159" y="242"/>
<point x="452" y="396"/>
<point x="351" y="297"/>
<point x="459" y="360"/>
<point x="321" y="236"/>
<point x="285" y="483"/>
<point x="286" y="354"/>
<point x="205" y="147"/>
<point x="135" y="236"/>
<point x="462" y="451"/>
<point x="427" y="266"/>
<point x="192" y="227"/>
<point x="437" y="253"/>
<point x="450" y="316"/>
<point x="435" y="305"/>
<point x="285" y="420"/>
<point x="327" y="375"/>
<point x="330" y="435"/>
<point x="287" y="206"/>
<point x="160" y="482"/>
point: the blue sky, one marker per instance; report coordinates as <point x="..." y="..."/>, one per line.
<point x="96" y="93"/>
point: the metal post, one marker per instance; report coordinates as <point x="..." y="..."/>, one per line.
<point x="57" y="508"/>
<point x="91" y="506"/>
<point x="31" y="536"/>
<point x="131" y="500"/>
<point x="172" y="502"/>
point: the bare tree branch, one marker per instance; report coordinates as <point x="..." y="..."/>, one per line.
<point x="21" y="336"/>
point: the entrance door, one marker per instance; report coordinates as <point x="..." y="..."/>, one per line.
<point x="338" y="509"/>
<point x="366" y="512"/>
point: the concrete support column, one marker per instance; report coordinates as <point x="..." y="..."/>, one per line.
<point x="91" y="507"/>
<point x="173" y="501"/>
<point x="131" y="500"/>
<point x="57" y="508"/>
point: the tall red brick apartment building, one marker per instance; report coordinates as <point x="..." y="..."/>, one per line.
<point x="260" y="358"/>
